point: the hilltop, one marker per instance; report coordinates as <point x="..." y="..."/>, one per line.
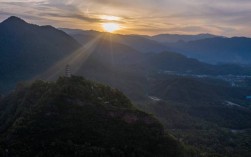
<point x="77" y="117"/>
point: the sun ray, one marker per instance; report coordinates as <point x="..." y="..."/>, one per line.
<point x="75" y="60"/>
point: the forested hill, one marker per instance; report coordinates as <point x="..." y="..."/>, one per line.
<point x="76" y="117"/>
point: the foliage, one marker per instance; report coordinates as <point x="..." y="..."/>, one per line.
<point x="76" y="117"/>
<point x="195" y="111"/>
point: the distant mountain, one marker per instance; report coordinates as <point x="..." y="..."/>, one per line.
<point x="204" y="47"/>
<point x="173" y="38"/>
<point x="76" y="117"/>
<point x="178" y="63"/>
<point x="82" y="36"/>
<point x="217" y="50"/>
<point x="138" y="42"/>
<point x="27" y="50"/>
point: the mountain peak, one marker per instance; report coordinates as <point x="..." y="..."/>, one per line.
<point x="13" y="20"/>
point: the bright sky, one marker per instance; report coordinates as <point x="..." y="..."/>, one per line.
<point x="221" y="17"/>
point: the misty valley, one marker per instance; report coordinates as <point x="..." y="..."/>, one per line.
<point x="71" y="92"/>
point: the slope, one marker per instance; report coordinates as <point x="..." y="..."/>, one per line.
<point x="208" y="114"/>
<point x="76" y="117"/>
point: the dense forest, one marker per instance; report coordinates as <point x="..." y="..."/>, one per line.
<point x="77" y="117"/>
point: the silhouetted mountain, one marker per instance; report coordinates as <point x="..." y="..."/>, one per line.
<point x="76" y="117"/>
<point x="13" y="20"/>
<point x="137" y="42"/>
<point x="27" y="50"/>
<point x="173" y="38"/>
<point x="217" y="50"/>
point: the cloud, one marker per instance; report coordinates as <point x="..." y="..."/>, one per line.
<point x="224" y="17"/>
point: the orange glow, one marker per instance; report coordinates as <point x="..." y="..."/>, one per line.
<point x="111" y="27"/>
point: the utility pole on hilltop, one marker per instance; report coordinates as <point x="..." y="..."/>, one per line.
<point x="67" y="71"/>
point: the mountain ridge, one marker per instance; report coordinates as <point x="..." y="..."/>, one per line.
<point x="217" y="50"/>
<point x="137" y="42"/>
<point x="173" y="38"/>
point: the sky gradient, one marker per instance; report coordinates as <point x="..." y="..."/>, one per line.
<point x="220" y="17"/>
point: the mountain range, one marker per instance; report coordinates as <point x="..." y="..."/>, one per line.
<point x="208" y="48"/>
<point x="138" y="42"/>
<point x="198" y="103"/>
<point x="173" y="38"/>
<point x="216" y="50"/>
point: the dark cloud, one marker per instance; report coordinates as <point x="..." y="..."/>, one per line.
<point x="72" y="16"/>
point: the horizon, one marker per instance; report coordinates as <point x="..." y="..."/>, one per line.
<point x="146" y="17"/>
<point x="103" y="31"/>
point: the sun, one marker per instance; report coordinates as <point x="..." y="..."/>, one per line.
<point x="111" y="27"/>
